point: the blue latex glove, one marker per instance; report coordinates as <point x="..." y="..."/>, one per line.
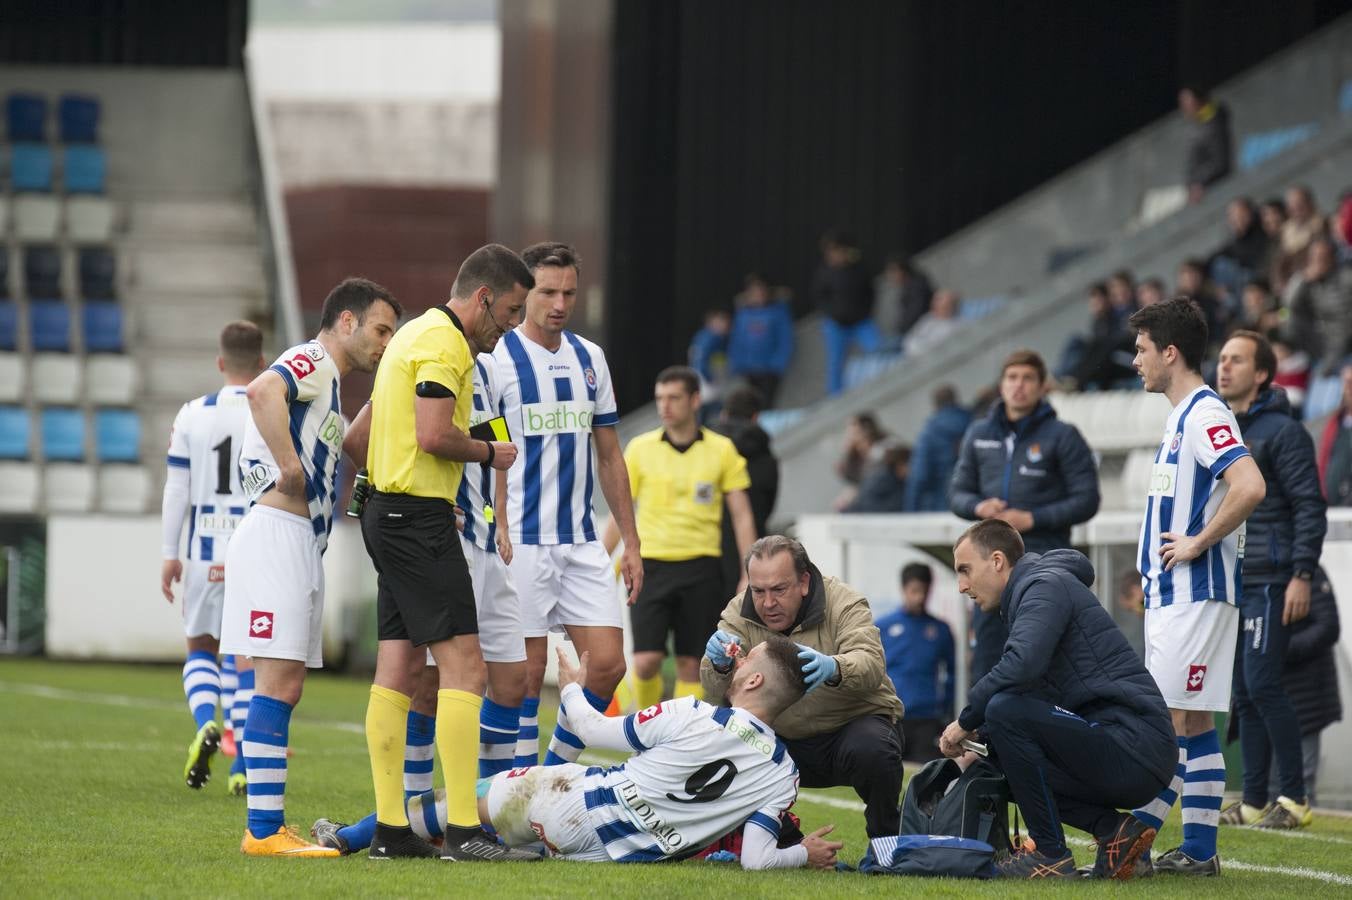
<point x="715" y="649"/>
<point x="818" y="668"/>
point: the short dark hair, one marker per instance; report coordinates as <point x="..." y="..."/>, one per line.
<point x="1259" y="282"/>
<point x="990" y="535"/>
<point x="687" y="376"/>
<point x="1123" y="275"/>
<point x="355" y="295"/>
<point x="551" y="253"/>
<point x="868" y="423"/>
<point x="916" y="572"/>
<point x="1179" y="322"/>
<point x="743" y="402"/>
<point x="768" y="546"/>
<point x="1263" y="357"/>
<point x="1026" y="357"/>
<point x="944" y="395"/>
<point x="495" y="266"/>
<point x="241" y="346"/>
<point x="1197" y="265"/>
<point x="783" y="656"/>
<point x="1098" y="289"/>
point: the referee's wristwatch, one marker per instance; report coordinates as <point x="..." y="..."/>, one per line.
<point x="1305" y="575"/>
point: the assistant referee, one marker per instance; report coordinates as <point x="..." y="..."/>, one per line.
<point x="418" y="418"/>
<point x="680" y="475"/>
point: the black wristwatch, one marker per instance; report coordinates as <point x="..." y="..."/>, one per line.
<point x="1305" y="575"/>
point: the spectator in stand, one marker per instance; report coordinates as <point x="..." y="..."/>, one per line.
<point x="1209" y="149"/>
<point x="761" y="343"/>
<point x="708" y="355"/>
<point x="1319" y="300"/>
<point x="936" y="326"/>
<point x="1245" y="255"/>
<point x="1192" y="283"/>
<point x="1151" y="291"/>
<point x="1257" y="307"/>
<point x="1335" y="448"/>
<point x="901" y="295"/>
<point x="883" y="487"/>
<point x="1122" y="295"/>
<point x="1340" y="226"/>
<point x="1293" y="372"/>
<point x="1101" y="322"/>
<point x="1023" y="465"/>
<point x="1303" y="224"/>
<point x="936" y="453"/>
<point x="1311" y="676"/>
<point x="843" y="294"/>
<point x="921" y="663"/>
<point x="863" y="439"/>
<point x="739" y="422"/>
<point x="1272" y="216"/>
<point x="1102" y="359"/>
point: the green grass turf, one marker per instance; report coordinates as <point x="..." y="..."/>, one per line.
<point x="93" y="803"/>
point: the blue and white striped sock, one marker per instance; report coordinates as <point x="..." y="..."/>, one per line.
<point x="229" y="684"/>
<point x="528" y="738"/>
<point x="266" y="734"/>
<point x="359" y="835"/>
<point x="419" y="748"/>
<point x="564" y="746"/>
<point x="202" y="686"/>
<point x="498" y="729"/>
<point x="1203" y="788"/>
<point x="239" y="712"/>
<point x="426" y="812"/>
<point x="1156" y="811"/>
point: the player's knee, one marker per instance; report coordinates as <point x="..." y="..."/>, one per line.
<point x="646" y="665"/>
<point x="605" y="673"/>
<point x="1002" y="710"/>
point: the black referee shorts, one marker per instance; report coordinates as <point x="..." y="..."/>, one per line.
<point x="424" y="590"/>
<point x="685" y="597"/>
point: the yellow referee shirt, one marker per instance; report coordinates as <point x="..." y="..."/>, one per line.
<point x="678" y="494"/>
<point x="431" y="347"/>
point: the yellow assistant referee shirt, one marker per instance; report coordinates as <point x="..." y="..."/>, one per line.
<point x="431" y="347"/>
<point x="678" y="494"/>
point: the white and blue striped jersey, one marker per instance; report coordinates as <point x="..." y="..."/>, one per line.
<point x="553" y="400"/>
<point x="476" y="484"/>
<point x="1200" y="442"/>
<point x="317" y="427"/>
<point x="698" y="772"/>
<point x="208" y="433"/>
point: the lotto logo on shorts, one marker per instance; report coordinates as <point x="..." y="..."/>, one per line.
<point x="260" y="624"/>
<point x="1196" y="675"/>
<point x="647" y="715"/>
<point x="216" y="574"/>
<point x="1221" y="436"/>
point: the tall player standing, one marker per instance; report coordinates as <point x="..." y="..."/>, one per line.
<point x="274" y="576"/>
<point x="203" y="482"/>
<point x="1203" y="486"/>
<point x="558" y="399"/>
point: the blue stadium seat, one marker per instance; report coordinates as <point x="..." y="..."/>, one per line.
<point x="63" y="433"/>
<point x="14" y="429"/>
<point x="117" y="434"/>
<point x="868" y="366"/>
<point x="98" y="268"/>
<point x="9" y="325"/>
<point x="30" y="167"/>
<point x="84" y="169"/>
<point x="102" y="327"/>
<point x="26" y="117"/>
<point x="78" y="115"/>
<point x="50" y="321"/>
<point x="42" y="271"/>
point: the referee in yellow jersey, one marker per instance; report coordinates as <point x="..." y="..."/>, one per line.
<point x="680" y="476"/>
<point x="417" y="446"/>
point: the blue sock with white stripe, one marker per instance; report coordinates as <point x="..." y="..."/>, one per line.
<point x="564" y="746"/>
<point x="426" y="812"/>
<point x="202" y="686"/>
<point x="266" y="734"/>
<point x="1156" y="811"/>
<point x="528" y="738"/>
<point x="498" y="729"/>
<point x="360" y="835"/>
<point x="239" y="712"/>
<point x="1203" y="787"/>
<point x="419" y="749"/>
<point x="229" y="684"/>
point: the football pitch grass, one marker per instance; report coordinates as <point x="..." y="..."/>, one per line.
<point x="93" y="803"/>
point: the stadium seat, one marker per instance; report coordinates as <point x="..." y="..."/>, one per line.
<point x="102" y="327"/>
<point x="1256" y="149"/>
<point x="4" y="216"/>
<point x="117" y="434"/>
<point x="123" y="488"/>
<point x="15" y="429"/>
<point x="21" y="483"/>
<point x="13" y="377"/>
<point x="55" y="377"/>
<point x="30" y="167"/>
<point x="98" y="268"/>
<point x="980" y="307"/>
<point x="78" y="117"/>
<point x="89" y="219"/>
<point x="1323" y="397"/>
<point x="84" y="168"/>
<point x="63" y="433"/>
<point x="9" y="325"/>
<point x="777" y="420"/>
<point x="865" y="367"/>
<point x="26" y="117"/>
<point x="110" y="379"/>
<point x="37" y="217"/>
<point x="50" y="324"/>
<point x="42" y="271"/>
<point x="68" y="488"/>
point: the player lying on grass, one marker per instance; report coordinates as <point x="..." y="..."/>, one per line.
<point x="698" y="772"/>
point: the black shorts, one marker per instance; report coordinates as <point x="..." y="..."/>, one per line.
<point x="424" y="592"/>
<point x="685" y="597"/>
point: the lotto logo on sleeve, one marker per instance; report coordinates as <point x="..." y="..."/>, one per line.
<point x="647" y="715"/>
<point x="260" y="624"/>
<point x="1221" y="437"/>
<point x="301" y="365"/>
<point x="1196" y="676"/>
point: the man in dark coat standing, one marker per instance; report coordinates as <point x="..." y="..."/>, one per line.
<point x="739" y="421"/>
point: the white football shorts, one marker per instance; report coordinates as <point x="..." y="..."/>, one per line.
<point x="274" y="589"/>
<point x="1190" y="652"/>
<point x="554" y="811"/>
<point x="564" y="584"/>
<point x="203" y="597"/>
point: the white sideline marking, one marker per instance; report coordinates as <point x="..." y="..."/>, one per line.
<point x="809" y="796"/>
<point x="1227" y="863"/>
